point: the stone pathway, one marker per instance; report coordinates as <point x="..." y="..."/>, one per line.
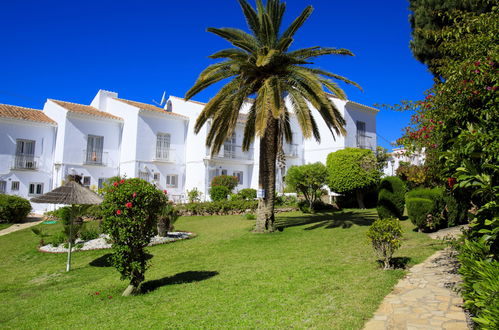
<point x="424" y="298"/>
<point x="29" y="222"/>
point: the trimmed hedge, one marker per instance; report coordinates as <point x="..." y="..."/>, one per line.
<point x="418" y="210"/>
<point x="218" y="207"/>
<point x="13" y="208"/>
<point x="391" y="198"/>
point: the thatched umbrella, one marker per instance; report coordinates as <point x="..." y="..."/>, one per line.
<point x="72" y="193"/>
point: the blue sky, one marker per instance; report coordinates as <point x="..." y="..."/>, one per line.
<point x="68" y="50"/>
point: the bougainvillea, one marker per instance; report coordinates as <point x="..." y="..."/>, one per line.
<point x="130" y="210"/>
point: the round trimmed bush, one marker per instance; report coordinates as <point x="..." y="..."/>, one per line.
<point x="247" y="193"/>
<point x="419" y="211"/>
<point x="13" y="208"/>
<point x="391" y="197"/>
<point x="219" y="193"/>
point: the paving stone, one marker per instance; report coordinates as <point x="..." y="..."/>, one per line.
<point x="422" y="299"/>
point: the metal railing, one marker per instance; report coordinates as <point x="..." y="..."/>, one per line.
<point x="23" y="162"/>
<point x="164" y="154"/>
<point x="92" y="157"/>
<point x="234" y="152"/>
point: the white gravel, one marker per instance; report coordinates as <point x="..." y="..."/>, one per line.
<point x="103" y="242"/>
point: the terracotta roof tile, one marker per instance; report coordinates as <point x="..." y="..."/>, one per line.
<point x="15" y="112"/>
<point x="149" y="107"/>
<point x="85" y="109"/>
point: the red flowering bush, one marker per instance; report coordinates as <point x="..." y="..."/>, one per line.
<point x="130" y="210"/>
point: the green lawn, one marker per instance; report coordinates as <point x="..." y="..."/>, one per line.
<point x="5" y="225"/>
<point x="318" y="273"/>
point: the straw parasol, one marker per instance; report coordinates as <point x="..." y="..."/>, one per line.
<point x="72" y="193"/>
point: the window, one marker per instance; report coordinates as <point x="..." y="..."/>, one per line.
<point x="172" y="180"/>
<point x="163" y="146"/>
<point x="86" y="181"/>
<point x="25" y="154"/>
<point x="156" y="177"/>
<point x="361" y="134"/>
<point x="36" y="188"/>
<point x="239" y="175"/>
<point x="230" y="147"/>
<point x="100" y="183"/>
<point x="144" y="176"/>
<point x="3" y="186"/>
<point x="14" y="186"/>
<point x="95" y="145"/>
<point x="224" y="172"/>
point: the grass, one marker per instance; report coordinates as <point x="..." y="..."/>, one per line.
<point x="320" y="272"/>
<point x="4" y="225"/>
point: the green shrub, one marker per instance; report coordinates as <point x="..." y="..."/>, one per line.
<point x="284" y="200"/>
<point x="194" y="195"/>
<point x="317" y="206"/>
<point x="88" y="234"/>
<point x="228" y="181"/>
<point x="235" y="197"/>
<point x="219" y="207"/>
<point x="456" y="210"/>
<point x="219" y="193"/>
<point x="166" y="218"/>
<point x="391" y="198"/>
<point x="130" y="209"/>
<point x="480" y="287"/>
<point x="247" y="193"/>
<point x="250" y="216"/>
<point x="385" y="236"/>
<point x="57" y="239"/>
<point x="92" y="211"/>
<point x="13" y="208"/>
<point x="420" y="212"/>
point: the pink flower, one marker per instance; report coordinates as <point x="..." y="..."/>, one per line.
<point x="115" y="184"/>
<point x="128" y="205"/>
<point x="165" y="192"/>
<point x="134" y="195"/>
<point x="477" y="71"/>
<point x="118" y="212"/>
<point x="122" y="181"/>
<point x="477" y="63"/>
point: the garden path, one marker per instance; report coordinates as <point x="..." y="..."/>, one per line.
<point x="29" y="222"/>
<point x="425" y="298"/>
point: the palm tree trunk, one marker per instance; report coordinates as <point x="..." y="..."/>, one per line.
<point x="266" y="178"/>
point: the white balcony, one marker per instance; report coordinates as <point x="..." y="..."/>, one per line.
<point x="98" y="158"/>
<point x="233" y="153"/>
<point x="25" y="162"/>
<point x="290" y="150"/>
<point x="166" y="155"/>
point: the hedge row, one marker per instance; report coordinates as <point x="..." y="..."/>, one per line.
<point x="391" y="198"/>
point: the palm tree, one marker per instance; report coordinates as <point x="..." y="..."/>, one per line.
<point x="260" y="66"/>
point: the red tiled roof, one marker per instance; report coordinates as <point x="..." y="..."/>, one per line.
<point x="85" y="109"/>
<point x="149" y="107"/>
<point x="15" y="112"/>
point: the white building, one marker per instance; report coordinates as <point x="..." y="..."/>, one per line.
<point x="399" y="155"/>
<point x="27" y="148"/>
<point x="113" y="136"/>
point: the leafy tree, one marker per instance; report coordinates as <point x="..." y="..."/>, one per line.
<point x="228" y="181"/>
<point x="309" y="180"/>
<point x="386" y="238"/>
<point x="382" y="156"/>
<point x="130" y="210"/>
<point x="260" y="65"/>
<point x="430" y="16"/>
<point x="352" y="170"/>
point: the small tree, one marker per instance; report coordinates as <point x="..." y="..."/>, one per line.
<point x="309" y="180"/>
<point x="194" y="195"/>
<point x="385" y="236"/>
<point x="228" y="181"/>
<point x="130" y="210"/>
<point x="352" y="170"/>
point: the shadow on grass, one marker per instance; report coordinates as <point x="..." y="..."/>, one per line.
<point x="400" y="262"/>
<point x="180" y="278"/>
<point x="105" y="260"/>
<point x="343" y="219"/>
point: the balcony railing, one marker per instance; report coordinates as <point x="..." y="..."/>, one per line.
<point x="164" y="154"/>
<point x="91" y="157"/>
<point x="290" y="150"/>
<point x="23" y="162"/>
<point x="234" y="152"/>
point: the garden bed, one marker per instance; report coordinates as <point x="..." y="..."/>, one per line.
<point x="102" y="242"/>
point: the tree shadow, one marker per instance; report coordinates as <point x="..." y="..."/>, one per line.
<point x="180" y="278"/>
<point x="105" y="260"/>
<point x="343" y="219"/>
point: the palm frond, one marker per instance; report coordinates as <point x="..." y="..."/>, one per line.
<point x="297" y="23"/>
<point x="237" y="37"/>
